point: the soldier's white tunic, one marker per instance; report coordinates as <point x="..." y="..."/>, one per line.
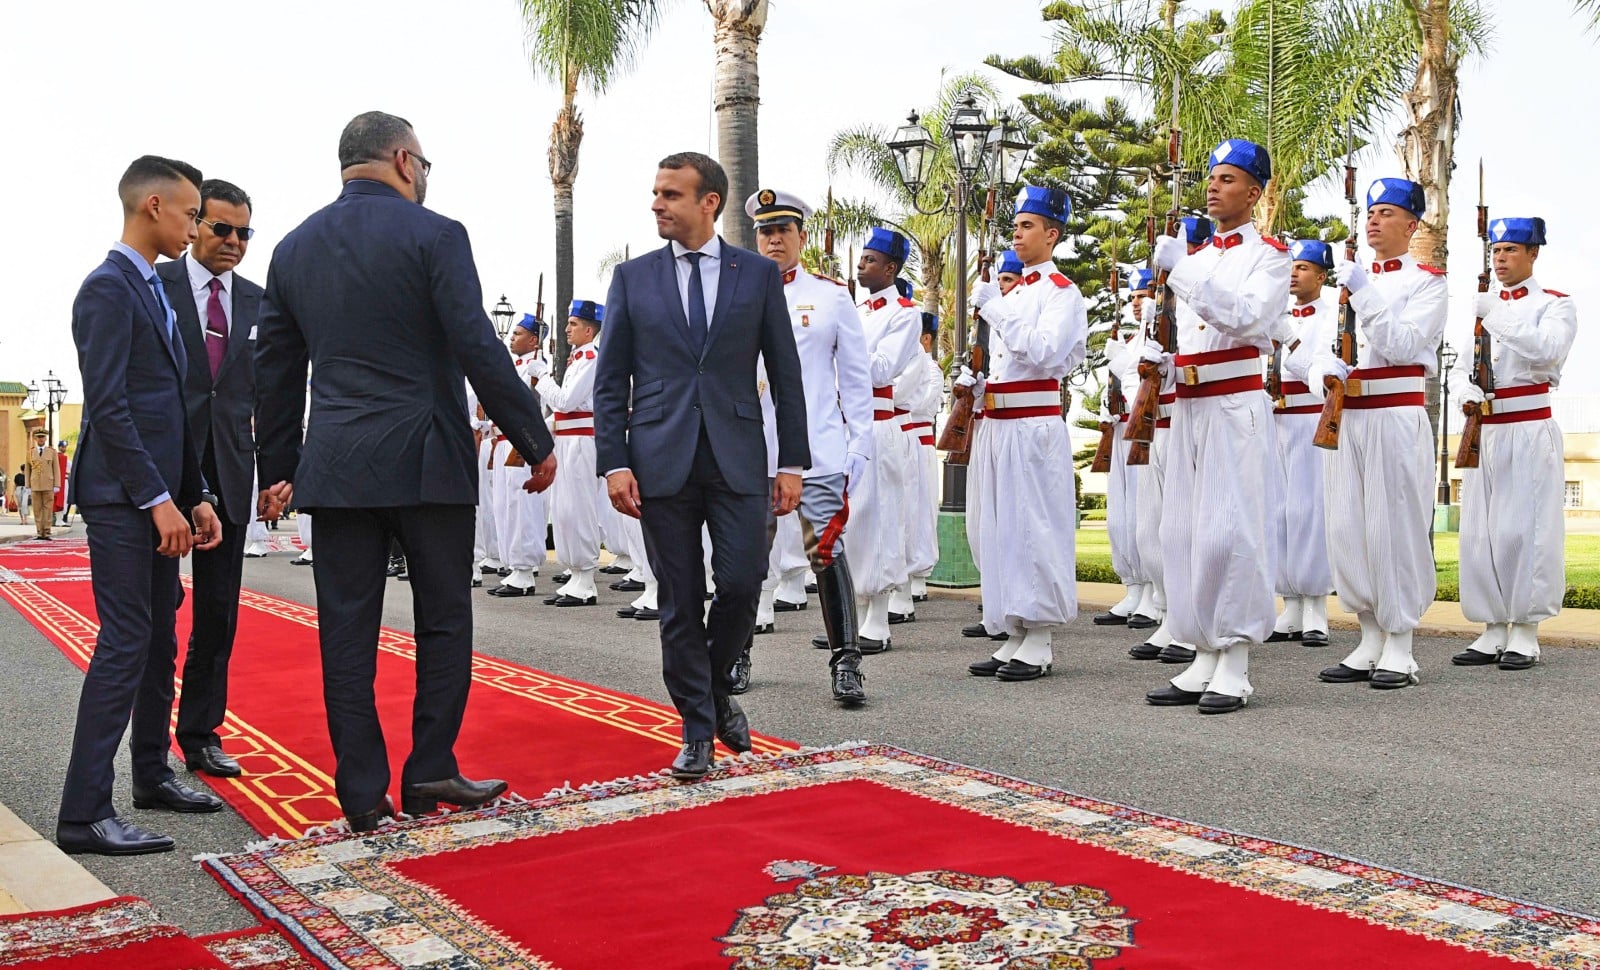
<point x="1122" y="481"/>
<point x="1513" y="532"/>
<point x="1302" y="530"/>
<point x="519" y="516"/>
<point x="575" y="509"/>
<point x="923" y="524"/>
<point x="484" y="545"/>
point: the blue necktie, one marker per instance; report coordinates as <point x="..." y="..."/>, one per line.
<point x="161" y="299"/>
<point x="698" y="328"/>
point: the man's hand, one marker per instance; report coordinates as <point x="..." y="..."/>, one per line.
<point x="1352" y="275"/>
<point x="1152" y="352"/>
<point x="785" y="493"/>
<point x="624" y="491"/>
<point x="1483" y="303"/>
<point x="1170" y="249"/>
<point x="173" y="528"/>
<point x="207" y="529"/>
<point x="983" y="292"/>
<point x="543" y="475"/>
<point x="854" y="467"/>
<point x="1147" y="312"/>
<point x="273" y="501"/>
<point x="538" y="367"/>
<point x="1326" y="373"/>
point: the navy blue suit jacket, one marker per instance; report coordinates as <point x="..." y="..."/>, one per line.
<point x="676" y="390"/>
<point x="134" y="442"/>
<point x="381" y="296"/>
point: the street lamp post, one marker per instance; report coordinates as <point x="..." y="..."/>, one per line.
<point x="502" y="317"/>
<point x="55" y="393"/>
<point x="1447" y="360"/>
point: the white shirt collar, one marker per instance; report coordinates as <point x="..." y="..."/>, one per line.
<point x="200" y="277"/>
<point x="712" y="249"/>
<point x="1043" y="269"/>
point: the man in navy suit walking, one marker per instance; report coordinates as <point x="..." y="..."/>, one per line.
<point x="685" y="326"/>
<point x="136" y="477"/>
<point x="381" y="297"/>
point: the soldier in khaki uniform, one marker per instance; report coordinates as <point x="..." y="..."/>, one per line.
<point x="43" y="481"/>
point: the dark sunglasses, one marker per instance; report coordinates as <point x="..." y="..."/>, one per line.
<point x="223" y="230"/>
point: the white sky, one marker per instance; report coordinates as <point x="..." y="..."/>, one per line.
<point x="256" y="93"/>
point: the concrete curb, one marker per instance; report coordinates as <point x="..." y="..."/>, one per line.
<point x="35" y="875"/>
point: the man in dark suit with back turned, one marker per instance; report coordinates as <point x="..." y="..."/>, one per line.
<point x="381" y="297"/>
<point x="217" y="310"/>
<point x="685" y="326"/>
<point x="137" y="475"/>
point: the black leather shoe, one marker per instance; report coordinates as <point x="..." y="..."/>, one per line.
<point x="506" y="571"/>
<point x="1109" y="618"/>
<point x="784" y="606"/>
<point x="1144" y="651"/>
<point x="489" y="570"/>
<point x="1474" y="658"/>
<point x="1340" y="674"/>
<point x="733" y="728"/>
<point x="397" y="566"/>
<point x="811" y="588"/>
<point x="564" y="578"/>
<point x="423" y="798"/>
<point x="300" y="561"/>
<point x="693" y="761"/>
<point x="985" y="668"/>
<point x="628" y="586"/>
<point x="646" y="613"/>
<point x="477" y="582"/>
<point x="740" y="675"/>
<point x="614" y="570"/>
<point x="1212" y="702"/>
<point x="1314" y="638"/>
<point x="1174" y="654"/>
<point x="211" y="761"/>
<point x="551" y="599"/>
<point x="627" y="612"/>
<point x="820" y="641"/>
<point x="1016" y="670"/>
<point x="109" y="836"/>
<point x="975" y="630"/>
<point x="370" y="821"/>
<point x="902" y="617"/>
<point x="565" y="600"/>
<point x="870" y="646"/>
<point x="1516" y="661"/>
<point x="174" y="796"/>
<point x="1170" y="696"/>
<point x="506" y="589"/>
<point x="849" y="685"/>
<point x="1139" y="621"/>
<point x="763" y="628"/>
<point x="1391" y="680"/>
<point x="920" y="598"/>
<point x="1279" y="636"/>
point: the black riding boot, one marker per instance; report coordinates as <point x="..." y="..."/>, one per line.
<point x="837" y="596"/>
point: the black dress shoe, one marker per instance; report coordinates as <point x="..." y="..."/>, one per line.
<point x="628" y="586"/>
<point x="1170" y="696"/>
<point x="477" y="582"/>
<point x="1516" y="661"/>
<point x="811" y="588"/>
<point x="693" y="761"/>
<point x="369" y="821"/>
<point x="564" y="578"/>
<point x="1212" y="702"/>
<point x="902" y="617"/>
<point x="174" y="796"/>
<point x="489" y="570"/>
<point x="1474" y="658"/>
<point x="551" y="599"/>
<point x="1279" y="636"/>
<point x="1139" y="621"/>
<point x="975" y="630"/>
<point x="1314" y="638"/>
<point x="397" y="566"/>
<point x="646" y="613"/>
<point x="1174" y="654"/>
<point x="506" y="571"/>
<point x="1109" y="618"/>
<point x="987" y="667"/>
<point x="506" y="589"/>
<point x="1144" y="651"/>
<point x="300" y="561"/>
<point x="740" y="675"/>
<point x="614" y="570"/>
<point x="423" y="798"/>
<point x="784" y="606"/>
<point x="1016" y="670"/>
<point x="211" y="761"/>
<point x="820" y="641"/>
<point x="849" y="685"/>
<point x="1340" y="674"/>
<point x="1391" y="680"/>
<point x="733" y="728"/>
<point x="920" y="598"/>
<point x="109" y="836"/>
<point x="870" y="646"/>
<point x="763" y="628"/>
<point x="627" y="612"/>
<point x="565" y="600"/>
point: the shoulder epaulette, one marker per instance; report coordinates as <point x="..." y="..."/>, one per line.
<point x="830" y="279"/>
<point x="588" y="355"/>
<point x="1436" y="271"/>
<point x="1555" y="292"/>
<point x="906" y="302"/>
<point x="1060" y="280"/>
<point x="1275" y="244"/>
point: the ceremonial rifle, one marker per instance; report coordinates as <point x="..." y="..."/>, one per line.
<point x="1275" y="374"/>
<point x="1114" y="402"/>
<point x="1344" y="340"/>
<point x="1482" y="361"/>
<point x="956" y="438"/>
<point x="1147" y="404"/>
<point x="538" y="316"/>
<point x="827" y="238"/>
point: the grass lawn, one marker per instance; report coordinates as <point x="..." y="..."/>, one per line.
<point x="1583" y="559"/>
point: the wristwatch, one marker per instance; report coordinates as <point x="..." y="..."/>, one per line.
<point x="209" y="499"/>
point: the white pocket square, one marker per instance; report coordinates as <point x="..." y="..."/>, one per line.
<point x="252" y="334"/>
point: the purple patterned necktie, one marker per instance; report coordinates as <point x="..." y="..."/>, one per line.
<point x="216" y="328"/>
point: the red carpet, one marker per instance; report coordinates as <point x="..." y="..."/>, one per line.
<point x="536" y="730"/>
<point x="258" y="948"/>
<point x="125" y="932"/>
<point x="868" y="857"/>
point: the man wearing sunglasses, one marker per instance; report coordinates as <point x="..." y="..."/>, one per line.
<point x="216" y="310"/>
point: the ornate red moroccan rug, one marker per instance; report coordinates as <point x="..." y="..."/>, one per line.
<point x="864" y="857"/>
<point x="258" y="948"/>
<point x="125" y="932"/>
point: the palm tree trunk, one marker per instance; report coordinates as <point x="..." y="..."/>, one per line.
<point x="565" y="137"/>
<point x="737" y="98"/>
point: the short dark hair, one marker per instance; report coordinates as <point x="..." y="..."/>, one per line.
<point x="148" y="170"/>
<point x="712" y="177"/>
<point x="223" y="192"/>
<point x="370" y="136"/>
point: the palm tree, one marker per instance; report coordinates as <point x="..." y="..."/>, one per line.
<point x="737" y="97"/>
<point x="578" y="44"/>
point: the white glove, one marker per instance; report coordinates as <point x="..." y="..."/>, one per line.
<point x="1483" y="303"/>
<point x="1470" y="393"/>
<point x="56" y="492"/>
<point x="1152" y="352"/>
<point x="1147" y="312"/>
<point x="983" y="293"/>
<point x="538" y="367"/>
<point x="854" y="467"/>
<point x="1352" y="276"/>
<point x="1170" y="249"/>
<point x="966" y="378"/>
<point x="1321" y="371"/>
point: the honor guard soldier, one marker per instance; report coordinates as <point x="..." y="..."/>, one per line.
<point x="1122" y="482"/>
<point x="1221" y="467"/>
<point x="1513" y="534"/>
<point x="1151" y="613"/>
<point x="1379" y="483"/>
<point x="910" y="391"/>
<point x="579" y="491"/>
<point x="519" y="516"/>
<point x="1304" y="577"/>
<point x="923" y="525"/>
<point x="1024" y="535"/>
<point x="43" y="481"/>
<point x="1007" y="271"/>
<point x="838" y="384"/>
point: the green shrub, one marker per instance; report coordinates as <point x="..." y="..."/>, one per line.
<point x="1092" y="502"/>
<point x="1096" y="571"/>
<point x="1094" y="515"/>
<point x="1582" y="597"/>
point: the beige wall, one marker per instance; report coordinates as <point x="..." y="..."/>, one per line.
<point x="1582" y="466"/>
<point x="17" y="422"/>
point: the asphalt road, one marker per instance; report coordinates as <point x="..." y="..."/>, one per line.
<point x="1476" y="776"/>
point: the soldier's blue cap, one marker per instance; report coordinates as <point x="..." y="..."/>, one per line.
<point x="1140" y="280"/>
<point x="1312" y="251"/>
<point x="889" y="243"/>
<point x="1528" y="232"/>
<point x="1009" y="262"/>
<point x="529" y="323"/>
<point x="1246" y="155"/>
<point x="1042" y="200"/>
<point x="588" y="310"/>
<point x="1197" y="229"/>
<point x="930" y="324"/>
<point x="1407" y="195"/>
